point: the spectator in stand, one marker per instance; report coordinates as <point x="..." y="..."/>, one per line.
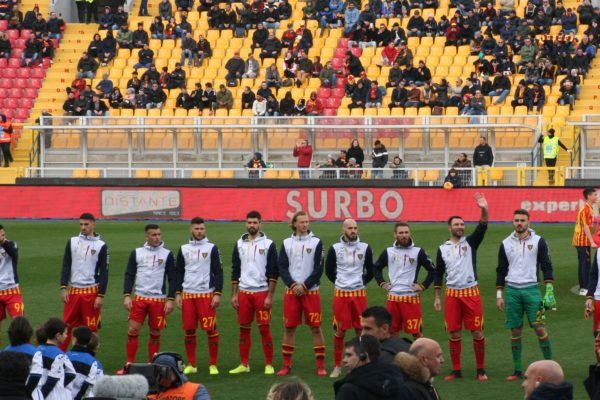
<point x="184" y="25"/>
<point x="569" y="22"/>
<point x="431" y="26"/>
<point x="300" y="109"/>
<point x="453" y="34"/>
<point x="209" y="98"/>
<point x="389" y="54"/>
<point x="329" y="16"/>
<point x="567" y="96"/>
<point x="156" y="97"/>
<point x="328" y="76"/>
<point x="304" y="68"/>
<point x="374" y="96"/>
<point x="125" y="37"/>
<point x="350" y="86"/>
<point x="203" y="50"/>
<point x="264" y="90"/>
<point x="229" y="18"/>
<point x="314" y="105"/>
<point x="405" y="55"/>
<point x="483" y="156"/>
<point x="379" y="155"/>
<point x="5" y="6"/>
<point x="120" y="18"/>
<point x="39" y="26"/>
<point x="165" y="10"/>
<point x="352" y="64"/>
<point x="184" y="5"/>
<point x="248" y="98"/>
<point x="177" y="78"/>
<point x="33" y="48"/>
<point x="145" y="57"/>
<point x="214" y="16"/>
<point x="87" y="66"/>
<point x="95" y="46"/>
<point x="287" y="104"/>
<point x="224" y="98"/>
<point x="256" y="163"/>
<point x="350" y="18"/>
<point x="501" y="87"/>
<point x="272" y="76"/>
<point x="16" y="19"/>
<point x="359" y="96"/>
<point x="538" y="97"/>
<point x="414" y="96"/>
<point x="47" y="46"/>
<point x="395" y="75"/>
<point x="305" y="42"/>
<point x="416" y="25"/>
<point x="453" y="178"/>
<point x="398" y="168"/>
<point x="476" y="105"/>
<point x="55" y="26"/>
<point x="235" y="67"/>
<point x="184" y="100"/>
<point x="317" y="67"/>
<point x="115" y="98"/>
<point x="463" y="162"/>
<point x="342" y="160"/>
<point x="97" y="107"/>
<point x="251" y="67"/>
<point x="5" y="46"/>
<point x="157" y="28"/>
<point x="80" y="105"/>
<point x="272" y="106"/>
<point x="259" y="107"/>
<point x="383" y="36"/>
<point x="259" y="36"/>
<point x="271" y="47"/>
<point x="271" y="16"/>
<point x="399" y="97"/>
<point x="356" y="152"/>
<point x="69" y="105"/>
<point x="173" y="30"/>
<point x="134" y="82"/>
<point x="30" y="17"/>
<point x="303" y="151"/>
<point x="580" y="62"/>
<point x="141" y="99"/>
<point x="522" y="96"/>
<point x="165" y="78"/>
<point x="109" y="49"/>
<point x="188" y="49"/>
<point x="104" y="87"/>
<point x="140" y="37"/>
<point x="285" y="9"/>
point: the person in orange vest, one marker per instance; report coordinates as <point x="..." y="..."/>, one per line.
<point x="6" y="131"/>
<point x="172" y="383"/>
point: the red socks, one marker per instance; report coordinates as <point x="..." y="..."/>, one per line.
<point x="213" y="347"/>
<point x="189" y="340"/>
<point x="288" y="351"/>
<point x="455" y="346"/>
<point x="479" y="350"/>
<point x="153" y="346"/>
<point x="132" y="346"/>
<point x="267" y="343"/>
<point x="338" y="349"/>
<point x="245" y="343"/>
<point x="320" y="356"/>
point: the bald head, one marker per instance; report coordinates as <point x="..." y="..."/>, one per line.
<point x="538" y="372"/>
<point x="429" y="354"/>
<point x="350" y="230"/>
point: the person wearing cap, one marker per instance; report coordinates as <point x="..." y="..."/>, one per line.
<point x="550" y="145"/>
<point x="173" y="384"/>
<point x="453" y="34"/>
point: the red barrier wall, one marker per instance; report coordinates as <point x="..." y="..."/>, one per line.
<point x="277" y="204"/>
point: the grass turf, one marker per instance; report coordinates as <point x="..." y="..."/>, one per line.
<point x="42" y="243"/>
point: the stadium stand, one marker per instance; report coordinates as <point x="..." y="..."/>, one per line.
<point x="331" y="45"/>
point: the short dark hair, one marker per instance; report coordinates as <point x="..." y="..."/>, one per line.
<point x="83" y="334"/>
<point x="521" y="211"/>
<point x="1" y="227"/>
<point x="196" y="221"/>
<point x="454" y="217"/>
<point x="19" y="331"/>
<point x="377" y="142"/>
<point x="88" y="216"/>
<point x="151" y="226"/>
<point x="586" y="193"/>
<point x="14" y="367"/>
<point x="366" y="344"/>
<point x="40" y="335"/>
<point x="381" y="315"/>
<point x="401" y="223"/>
<point x="254" y="214"/>
<point x="53" y="326"/>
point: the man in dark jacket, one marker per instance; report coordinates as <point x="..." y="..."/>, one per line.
<point x="235" y="67"/>
<point x="483" y="155"/>
<point x="368" y="379"/>
<point x="14" y="370"/>
<point x="377" y="321"/>
<point x="271" y="47"/>
<point x="380" y="159"/>
<point x="156" y="97"/>
<point x="87" y="66"/>
<point x="420" y="365"/>
<point x="544" y="380"/>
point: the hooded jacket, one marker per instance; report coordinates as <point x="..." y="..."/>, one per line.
<point x="254" y="263"/>
<point x="349" y="265"/>
<point x="300" y="261"/>
<point x="548" y="391"/>
<point x="199" y="268"/>
<point x="373" y="381"/>
<point x="85" y="263"/>
<point x="181" y="388"/>
<point x="416" y="377"/>
<point x="149" y="268"/>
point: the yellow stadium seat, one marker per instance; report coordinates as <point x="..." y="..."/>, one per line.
<point x="198" y="173"/>
<point x="357" y="112"/>
<point x="141" y="173"/>
<point x="227" y="174"/>
<point x="78" y="173"/>
<point x="155" y="173"/>
<point x="93" y="173"/>
<point x="212" y="174"/>
<point x="271" y="174"/>
<point x="432" y="175"/>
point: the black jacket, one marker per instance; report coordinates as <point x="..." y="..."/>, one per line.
<point x="483" y="155"/>
<point x="373" y="381"/>
<point x="548" y="391"/>
<point x="13" y="391"/>
<point x="357" y="153"/>
<point x="392" y="346"/>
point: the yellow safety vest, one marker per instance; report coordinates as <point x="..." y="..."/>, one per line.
<point x="550" y="147"/>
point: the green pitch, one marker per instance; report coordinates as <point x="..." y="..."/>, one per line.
<point x="42" y="243"/>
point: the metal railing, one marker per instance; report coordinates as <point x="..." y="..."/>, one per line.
<point x="214" y="141"/>
<point x="587" y="139"/>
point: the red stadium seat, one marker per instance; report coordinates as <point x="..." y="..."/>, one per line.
<point x="357" y="51"/>
<point x="329" y="112"/>
<point x="46" y="62"/>
<point x="23" y="73"/>
<point x="337" y="63"/>
<point x="15" y="54"/>
<point x="25" y="33"/>
<point x="3" y="93"/>
<point x="22" y="113"/>
<point x="26" y="103"/>
<point x="333" y="102"/>
<point x="8" y="73"/>
<point x="3" y="62"/>
<point x="343" y="42"/>
<point x="30" y="93"/>
<point x="12" y="34"/>
<point x="339" y="53"/>
<point x="35" y="83"/>
<point x="9" y="112"/>
<point x="55" y="43"/>
<point x="15" y="93"/>
<point x="19" y="44"/>
<point x="338" y="93"/>
<point x="10" y="103"/>
<point x="6" y="83"/>
<point x="39" y="73"/>
<point x="3" y="25"/>
<point x="20" y="83"/>
<point x="323" y="93"/>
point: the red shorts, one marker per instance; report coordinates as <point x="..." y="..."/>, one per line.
<point x="596" y="315"/>
<point x="347" y="308"/>
<point x="463" y="306"/>
<point x="252" y="303"/>
<point x="153" y="308"/>
<point x="79" y="310"/>
<point x="196" y="307"/>
<point x="406" y="313"/>
<point x="11" y="302"/>
<point x="294" y="306"/>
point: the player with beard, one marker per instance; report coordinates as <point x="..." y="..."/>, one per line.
<point x="457" y="258"/>
<point x="404" y="260"/>
<point x="520" y="255"/>
<point x="254" y="277"/>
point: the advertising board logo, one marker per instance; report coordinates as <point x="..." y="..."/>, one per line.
<point x="141" y="204"/>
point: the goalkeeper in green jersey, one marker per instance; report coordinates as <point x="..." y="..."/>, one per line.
<point x="518" y="292"/>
